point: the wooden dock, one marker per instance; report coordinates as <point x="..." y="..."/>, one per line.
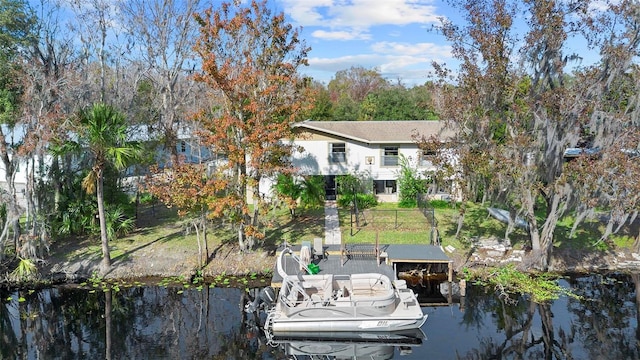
<point x="389" y="260"/>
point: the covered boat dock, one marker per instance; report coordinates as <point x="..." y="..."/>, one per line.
<point x="390" y="260"/>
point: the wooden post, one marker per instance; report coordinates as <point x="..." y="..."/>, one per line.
<point x="377" y="248"/>
<point x="450" y="270"/>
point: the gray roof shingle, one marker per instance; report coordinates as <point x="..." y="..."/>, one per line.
<point x="371" y="132"/>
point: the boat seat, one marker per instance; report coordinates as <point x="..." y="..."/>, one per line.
<point x="305" y="255"/>
<point x="318" y="249"/>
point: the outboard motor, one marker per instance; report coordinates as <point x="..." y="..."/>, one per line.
<point x="265" y="298"/>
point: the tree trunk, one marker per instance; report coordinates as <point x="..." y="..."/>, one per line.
<point x="548" y="228"/>
<point x="547" y="333"/>
<point x="196" y="225"/>
<point x="106" y="256"/>
<point x="255" y="220"/>
<point x="12" y="206"/>
<point x="460" y="220"/>
<point x="241" y="242"/>
<point x="3" y="236"/>
<point x="206" y="243"/>
<point x="108" y="304"/>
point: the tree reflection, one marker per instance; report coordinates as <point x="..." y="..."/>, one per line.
<point x="166" y="322"/>
<point x="525" y="329"/>
<point x="606" y="315"/>
<point x="7" y="336"/>
<point x="107" y="322"/>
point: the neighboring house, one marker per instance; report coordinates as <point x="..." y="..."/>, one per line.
<point x="333" y="148"/>
<point x="20" y="181"/>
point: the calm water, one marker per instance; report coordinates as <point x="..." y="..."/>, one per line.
<point x="172" y="323"/>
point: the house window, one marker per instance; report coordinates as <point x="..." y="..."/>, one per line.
<point x="390" y="156"/>
<point x="387" y="187"/>
<point x="338" y="153"/>
<point x="426" y="157"/>
<point x="183" y="146"/>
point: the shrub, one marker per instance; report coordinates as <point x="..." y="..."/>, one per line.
<point x="364" y="201"/>
<point x="440" y="204"/>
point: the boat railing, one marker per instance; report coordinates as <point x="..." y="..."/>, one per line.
<point x="281" y="265"/>
<point x="293" y="294"/>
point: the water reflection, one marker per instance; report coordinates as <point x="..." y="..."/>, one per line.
<point x="174" y="323"/>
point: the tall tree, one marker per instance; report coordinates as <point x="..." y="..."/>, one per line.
<point x="165" y="32"/>
<point x="349" y="90"/>
<point x="515" y="123"/>
<point x="251" y="58"/>
<point x="398" y="103"/>
<point x="16" y="35"/>
<point x="103" y="131"/>
<point x="96" y="26"/>
<point x="356" y="83"/>
<point x="322" y="109"/>
<point x="49" y="97"/>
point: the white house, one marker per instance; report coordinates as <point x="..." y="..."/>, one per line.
<point x="333" y="148"/>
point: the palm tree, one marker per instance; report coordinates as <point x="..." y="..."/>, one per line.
<point x="305" y="191"/>
<point x="103" y="131"/>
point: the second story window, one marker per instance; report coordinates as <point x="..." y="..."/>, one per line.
<point x="390" y="156"/>
<point x="337" y="152"/>
<point x="426" y="157"/>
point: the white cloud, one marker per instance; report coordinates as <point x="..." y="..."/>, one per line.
<point x="363" y="23"/>
<point x="359" y="15"/>
<point x="417" y="49"/>
<point x="410" y="69"/>
<point x="306" y="13"/>
<point x="340" y="35"/>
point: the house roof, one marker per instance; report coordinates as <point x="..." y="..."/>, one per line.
<point x="379" y="132"/>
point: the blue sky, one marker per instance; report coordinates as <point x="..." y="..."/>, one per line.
<point x="392" y="36"/>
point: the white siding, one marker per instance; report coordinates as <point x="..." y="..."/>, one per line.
<point x="315" y="159"/>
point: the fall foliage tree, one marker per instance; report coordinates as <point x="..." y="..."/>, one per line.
<point x="250" y="58"/>
<point x="188" y="188"/>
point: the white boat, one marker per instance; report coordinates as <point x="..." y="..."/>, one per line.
<point x="342" y="303"/>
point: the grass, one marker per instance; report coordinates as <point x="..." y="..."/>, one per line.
<point x="477" y="224"/>
<point x="308" y="224"/>
<point x="387" y="222"/>
<point x="395" y="225"/>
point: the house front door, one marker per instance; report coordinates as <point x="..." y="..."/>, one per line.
<point x="330" y="187"/>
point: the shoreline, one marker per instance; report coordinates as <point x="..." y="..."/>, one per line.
<point x="227" y="261"/>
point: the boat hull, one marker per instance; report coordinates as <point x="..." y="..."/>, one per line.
<point x="315" y="325"/>
<point x="333" y="303"/>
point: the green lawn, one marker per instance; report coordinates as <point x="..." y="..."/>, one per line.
<point x="386" y="221"/>
<point x="308" y="224"/>
<point x="395" y="225"/>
